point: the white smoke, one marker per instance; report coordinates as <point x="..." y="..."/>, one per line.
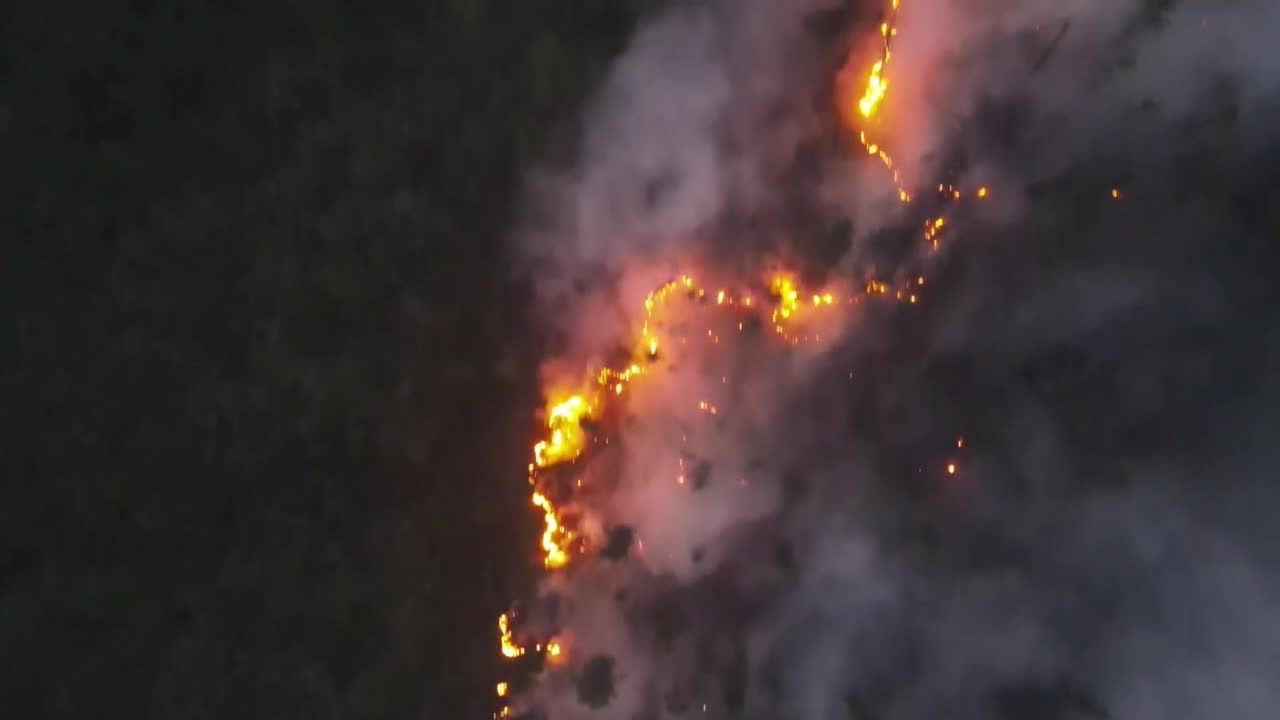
<point x="1060" y="573"/>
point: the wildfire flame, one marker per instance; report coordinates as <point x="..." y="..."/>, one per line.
<point x="567" y="440"/>
<point x="509" y="648"/>
<point x="572" y="418"/>
<point x="873" y="95"/>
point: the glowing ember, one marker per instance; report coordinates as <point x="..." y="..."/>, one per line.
<point x="951" y="468"/>
<point x="502" y="689"/>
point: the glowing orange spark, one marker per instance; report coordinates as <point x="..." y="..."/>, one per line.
<point x="951" y="468"/>
<point x="502" y="689"/>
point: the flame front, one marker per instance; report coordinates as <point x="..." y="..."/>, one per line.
<point x="873" y="95"/>
<point x="877" y="86"/>
<point x="554" y="536"/>
<point x="567" y="439"/>
<point x="509" y="648"/>
<point x="578" y="420"/>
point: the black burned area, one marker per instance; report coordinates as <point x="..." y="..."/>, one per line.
<point x="268" y="376"/>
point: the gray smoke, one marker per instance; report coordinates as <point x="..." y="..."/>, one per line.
<point x="1106" y="546"/>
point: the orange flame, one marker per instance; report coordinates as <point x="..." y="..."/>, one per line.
<point x="877" y="86"/>
<point x="509" y="648"/>
<point x="873" y="95"/>
<point x="556" y="556"/>
<point x="567" y="440"/>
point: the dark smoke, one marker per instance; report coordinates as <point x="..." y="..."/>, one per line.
<point x="1106" y="548"/>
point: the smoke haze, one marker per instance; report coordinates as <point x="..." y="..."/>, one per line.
<point x="1099" y="369"/>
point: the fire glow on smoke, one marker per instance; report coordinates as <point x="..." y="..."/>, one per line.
<point x="581" y="413"/>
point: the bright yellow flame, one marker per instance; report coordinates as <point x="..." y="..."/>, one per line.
<point x="877" y="86"/>
<point x="566" y="438"/>
<point x="555" y="554"/>
<point x="509" y="648"/>
<point x="566" y="441"/>
<point x="784" y="286"/>
<point x="873" y="94"/>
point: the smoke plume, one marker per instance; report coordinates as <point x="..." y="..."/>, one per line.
<point x="1041" y="489"/>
